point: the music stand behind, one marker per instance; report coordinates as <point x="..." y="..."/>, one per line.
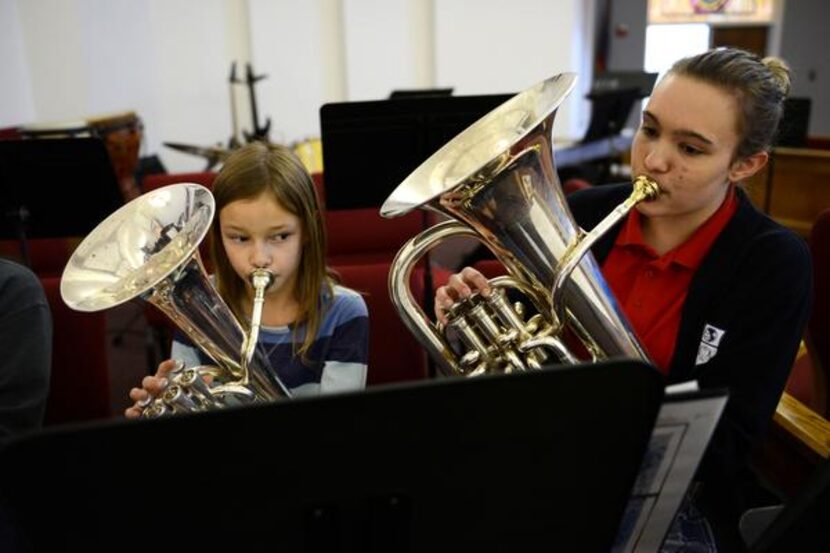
<point x="609" y="112"/>
<point x="371" y="147"/>
<point x="399" y="94"/>
<point x="613" y="95"/>
<point x="641" y="81"/>
<point x="793" y="129"/>
<point x="508" y="463"/>
<point x="55" y="188"/>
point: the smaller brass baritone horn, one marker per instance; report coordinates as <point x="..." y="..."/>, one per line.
<point x="149" y="249"/>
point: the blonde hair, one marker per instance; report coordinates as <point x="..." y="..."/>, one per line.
<point x="759" y="85"/>
<point x="250" y="171"/>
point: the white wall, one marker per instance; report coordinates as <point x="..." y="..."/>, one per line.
<point x="487" y="47"/>
<point x="292" y="43"/>
<point x="804" y="45"/>
<point x="169" y="60"/>
<point x="16" y="100"/>
<point x="380" y="54"/>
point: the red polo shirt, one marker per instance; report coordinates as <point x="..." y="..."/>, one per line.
<point x="651" y="288"/>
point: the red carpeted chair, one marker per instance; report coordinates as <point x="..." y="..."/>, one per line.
<point x="79" y="387"/>
<point x="364" y="244"/>
<point x="799" y="438"/>
<point x="796" y="455"/>
<point x="394" y="353"/>
<point x="490" y="268"/>
<point x="818" y="328"/>
<point x="574" y="184"/>
<point x="359" y="236"/>
<point x="809" y="381"/>
<point x="47" y="256"/>
<point x="317" y="178"/>
<point x="157" y="180"/>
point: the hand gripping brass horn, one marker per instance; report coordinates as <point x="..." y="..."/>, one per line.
<point x="149" y="249"/>
<point x="497" y="182"/>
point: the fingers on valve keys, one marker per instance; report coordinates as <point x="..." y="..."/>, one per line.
<point x="151" y="387"/>
<point x="460" y="285"/>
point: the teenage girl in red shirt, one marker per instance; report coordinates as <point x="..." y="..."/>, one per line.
<point x="714" y="289"/>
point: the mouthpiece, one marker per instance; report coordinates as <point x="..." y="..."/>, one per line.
<point x="646" y="189"/>
<point x="261" y="279"/>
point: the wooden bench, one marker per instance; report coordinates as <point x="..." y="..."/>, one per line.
<point x="794" y="187"/>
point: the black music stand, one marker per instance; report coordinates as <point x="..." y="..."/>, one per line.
<point x="500" y="463"/>
<point x="371" y="147"/>
<point x="641" y="81"/>
<point x="55" y="188"/>
<point x="400" y="94"/>
<point x="793" y="129"/>
<point x="609" y="112"/>
<point x="613" y="95"/>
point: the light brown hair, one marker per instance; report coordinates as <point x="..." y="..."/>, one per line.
<point x="759" y="86"/>
<point x="250" y="171"/>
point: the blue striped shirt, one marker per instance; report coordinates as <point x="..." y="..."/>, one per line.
<point x="336" y="361"/>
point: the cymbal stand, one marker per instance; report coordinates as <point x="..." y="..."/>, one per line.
<point x="233" y="142"/>
<point x="258" y="132"/>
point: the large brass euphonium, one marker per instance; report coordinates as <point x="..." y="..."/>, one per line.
<point x="149" y="249"/>
<point x="497" y="181"/>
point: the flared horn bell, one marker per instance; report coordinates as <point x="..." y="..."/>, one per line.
<point x="149" y="249"/>
<point x="137" y="247"/>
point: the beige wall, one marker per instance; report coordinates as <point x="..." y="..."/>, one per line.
<point x="169" y="60"/>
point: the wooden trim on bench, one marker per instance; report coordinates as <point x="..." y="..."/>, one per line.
<point x="804" y="424"/>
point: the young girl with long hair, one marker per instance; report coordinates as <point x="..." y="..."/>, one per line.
<point x="314" y="331"/>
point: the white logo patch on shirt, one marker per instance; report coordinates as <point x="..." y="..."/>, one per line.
<point x="712" y="335"/>
<point x="709" y="343"/>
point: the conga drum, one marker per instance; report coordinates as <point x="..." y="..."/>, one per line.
<point x="122" y="134"/>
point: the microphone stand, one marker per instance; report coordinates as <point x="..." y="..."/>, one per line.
<point x="233" y="143"/>
<point x="259" y="132"/>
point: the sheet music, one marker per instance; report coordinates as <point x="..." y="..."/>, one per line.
<point x="684" y="426"/>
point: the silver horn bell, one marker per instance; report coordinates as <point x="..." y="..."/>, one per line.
<point x="497" y="182"/>
<point x="149" y="249"/>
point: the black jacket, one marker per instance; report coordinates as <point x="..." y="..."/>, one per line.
<point x="755" y="284"/>
<point x="25" y="350"/>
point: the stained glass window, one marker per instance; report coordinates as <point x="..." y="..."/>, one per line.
<point x="710" y="11"/>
